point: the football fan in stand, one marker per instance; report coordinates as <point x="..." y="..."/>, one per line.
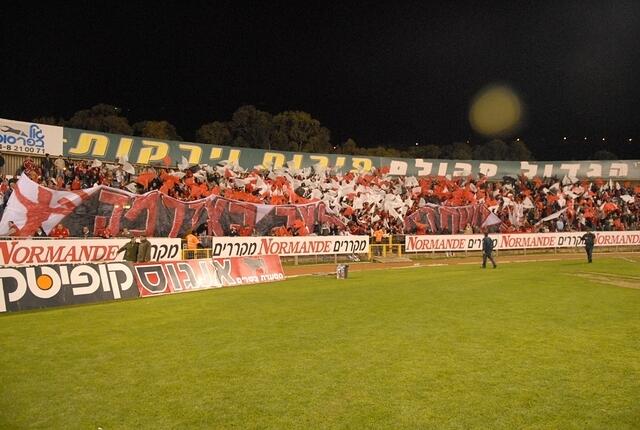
<point x="60" y="232"/>
<point x="86" y="233"/>
<point x="13" y="229"/>
<point x="106" y="233"/>
<point x="40" y="233"/>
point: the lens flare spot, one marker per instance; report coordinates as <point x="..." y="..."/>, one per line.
<point x="496" y="111"/>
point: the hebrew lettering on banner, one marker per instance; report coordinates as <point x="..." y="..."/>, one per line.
<point x="153" y="213"/>
<point x="170" y="277"/>
<point x="108" y="147"/>
<point x="64" y="284"/>
<point x="38" y="139"/>
<point x="289" y="246"/>
<point x="30" y="138"/>
<point x="435" y="219"/>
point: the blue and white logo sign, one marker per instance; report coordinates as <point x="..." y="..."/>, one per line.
<point x="30" y="138"/>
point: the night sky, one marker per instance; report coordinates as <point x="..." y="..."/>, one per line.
<point x="388" y="75"/>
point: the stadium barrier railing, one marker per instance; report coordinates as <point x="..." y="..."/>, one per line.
<point x="194" y="254"/>
<point x="392" y="246"/>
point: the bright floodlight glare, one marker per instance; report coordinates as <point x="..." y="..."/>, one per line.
<point x="496" y="111"/>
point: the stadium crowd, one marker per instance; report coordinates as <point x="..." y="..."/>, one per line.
<point x="365" y="202"/>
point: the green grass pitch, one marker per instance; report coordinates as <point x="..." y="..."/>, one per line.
<point x="540" y="345"/>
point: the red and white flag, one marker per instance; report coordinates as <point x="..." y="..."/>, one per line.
<point x="31" y="206"/>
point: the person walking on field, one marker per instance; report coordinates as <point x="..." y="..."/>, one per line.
<point x="589" y="240"/>
<point x="130" y="250"/>
<point x="487" y="250"/>
<point x="144" y="250"/>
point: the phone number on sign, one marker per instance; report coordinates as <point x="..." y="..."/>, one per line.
<point x="20" y="148"/>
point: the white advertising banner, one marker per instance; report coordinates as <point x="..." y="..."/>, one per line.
<point x="59" y="251"/>
<point x="30" y="138"/>
<point x="473" y="242"/>
<point x="288" y="246"/>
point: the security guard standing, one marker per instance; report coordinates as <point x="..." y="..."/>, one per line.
<point x="487" y="250"/>
<point x="130" y="250"/>
<point x="589" y="240"/>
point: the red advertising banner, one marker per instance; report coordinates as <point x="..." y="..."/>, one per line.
<point x="170" y="277"/>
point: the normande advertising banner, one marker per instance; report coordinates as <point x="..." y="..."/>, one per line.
<point x="289" y="246"/>
<point x="59" y="251"/>
<point x="170" y="277"/>
<point x="108" y="147"/>
<point x="49" y="285"/>
<point x="473" y="242"/>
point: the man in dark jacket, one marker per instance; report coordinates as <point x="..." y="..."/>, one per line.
<point x="47" y="166"/>
<point x="130" y="250"/>
<point x="589" y="240"/>
<point x="144" y="250"/>
<point x="487" y="250"/>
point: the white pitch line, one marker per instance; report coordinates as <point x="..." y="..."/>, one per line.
<point x="576" y="256"/>
<point x="627" y="259"/>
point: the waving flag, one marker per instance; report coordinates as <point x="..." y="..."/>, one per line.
<point x="153" y="213"/>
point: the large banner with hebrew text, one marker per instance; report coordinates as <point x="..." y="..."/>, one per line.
<point x="154" y="213"/>
<point x="435" y="219"/>
<point x="108" y="147"/>
<point x="37" y="139"/>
